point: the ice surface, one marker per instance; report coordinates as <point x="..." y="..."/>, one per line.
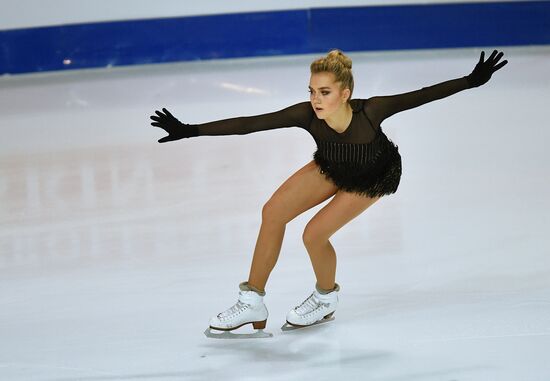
<point x="115" y="251"/>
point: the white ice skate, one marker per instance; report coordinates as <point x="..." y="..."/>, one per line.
<point x="249" y="309"/>
<point x="316" y="309"/>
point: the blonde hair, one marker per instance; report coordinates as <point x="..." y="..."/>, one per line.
<point x="337" y="63"/>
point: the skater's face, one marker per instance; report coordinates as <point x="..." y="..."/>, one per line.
<point x="326" y="96"/>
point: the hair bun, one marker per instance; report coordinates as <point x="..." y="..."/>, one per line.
<point x="339" y="56"/>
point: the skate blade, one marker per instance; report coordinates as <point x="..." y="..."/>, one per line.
<point x="215" y="334"/>
<point x="290" y="327"/>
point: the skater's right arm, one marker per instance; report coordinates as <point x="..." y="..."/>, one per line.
<point x="298" y="115"/>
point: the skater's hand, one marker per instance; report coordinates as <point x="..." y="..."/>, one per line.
<point x="176" y="129"/>
<point x="483" y="70"/>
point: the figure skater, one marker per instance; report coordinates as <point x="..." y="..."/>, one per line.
<point x="354" y="161"/>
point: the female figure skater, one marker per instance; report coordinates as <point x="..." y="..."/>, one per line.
<point x="355" y="162"/>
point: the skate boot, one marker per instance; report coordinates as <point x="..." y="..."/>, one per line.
<point x="317" y="308"/>
<point x="249" y="309"/>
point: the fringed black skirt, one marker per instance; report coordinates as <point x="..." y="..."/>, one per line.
<point x="376" y="177"/>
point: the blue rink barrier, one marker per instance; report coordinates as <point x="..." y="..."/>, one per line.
<point x="368" y="28"/>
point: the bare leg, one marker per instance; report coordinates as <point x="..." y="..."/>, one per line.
<point x="266" y="253"/>
<point x="303" y="190"/>
<point x="323" y="260"/>
<point x="343" y="208"/>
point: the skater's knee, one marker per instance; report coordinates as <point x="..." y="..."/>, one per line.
<point x="313" y="236"/>
<point x="274" y="212"/>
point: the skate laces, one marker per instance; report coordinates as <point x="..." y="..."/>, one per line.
<point x="310" y="304"/>
<point x="233" y="311"/>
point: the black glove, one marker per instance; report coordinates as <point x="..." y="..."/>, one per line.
<point x="483" y="70"/>
<point x="176" y="129"/>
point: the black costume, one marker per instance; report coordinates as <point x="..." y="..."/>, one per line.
<point x="360" y="159"/>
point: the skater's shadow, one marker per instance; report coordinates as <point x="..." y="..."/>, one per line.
<point x="137" y="376"/>
<point x="313" y="346"/>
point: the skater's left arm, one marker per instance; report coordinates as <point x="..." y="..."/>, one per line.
<point x="383" y="107"/>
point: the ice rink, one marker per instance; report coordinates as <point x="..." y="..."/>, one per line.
<point x="115" y="250"/>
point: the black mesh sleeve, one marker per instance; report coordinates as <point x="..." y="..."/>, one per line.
<point x="383" y="107"/>
<point x="298" y="115"/>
